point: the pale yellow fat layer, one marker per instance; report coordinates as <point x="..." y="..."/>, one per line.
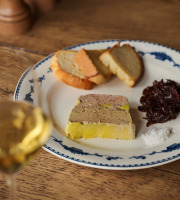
<point x="76" y="130"/>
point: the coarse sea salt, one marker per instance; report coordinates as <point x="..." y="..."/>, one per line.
<point x="156" y="135"/>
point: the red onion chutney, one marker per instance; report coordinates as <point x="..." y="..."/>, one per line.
<point x="161" y="101"/>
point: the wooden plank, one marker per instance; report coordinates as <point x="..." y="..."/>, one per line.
<point x="48" y="177"/>
<point x="74" y="22"/>
<point x="14" y="73"/>
<point x="172" y="167"/>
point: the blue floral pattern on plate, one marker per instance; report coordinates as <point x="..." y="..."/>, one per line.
<point x="75" y="150"/>
<point x="160" y="56"/>
<point x="173" y="147"/>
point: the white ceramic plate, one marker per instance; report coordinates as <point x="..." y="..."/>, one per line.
<point x="160" y="62"/>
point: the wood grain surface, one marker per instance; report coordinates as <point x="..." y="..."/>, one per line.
<point x="72" y="22"/>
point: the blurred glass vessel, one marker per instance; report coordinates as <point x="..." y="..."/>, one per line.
<point x="24" y="128"/>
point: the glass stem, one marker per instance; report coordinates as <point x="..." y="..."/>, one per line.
<point x="11" y="182"/>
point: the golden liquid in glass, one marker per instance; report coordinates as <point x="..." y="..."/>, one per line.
<point x="23" y="130"/>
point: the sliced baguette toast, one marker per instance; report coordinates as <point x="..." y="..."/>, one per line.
<point x="92" y="68"/>
<point x="65" y="68"/>
<point x="124" y="62"/>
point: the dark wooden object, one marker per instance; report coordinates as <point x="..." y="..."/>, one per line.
<point x="15" y="17"/>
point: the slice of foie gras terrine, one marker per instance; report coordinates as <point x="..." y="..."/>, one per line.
<point x="100" y="115"/>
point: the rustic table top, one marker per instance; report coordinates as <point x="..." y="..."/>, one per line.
<point x="70" y="23"/>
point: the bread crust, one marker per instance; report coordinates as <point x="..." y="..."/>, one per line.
<point x="68" y="78"/>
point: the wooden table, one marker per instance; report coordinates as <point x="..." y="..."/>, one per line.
<point x="70" y="23"/>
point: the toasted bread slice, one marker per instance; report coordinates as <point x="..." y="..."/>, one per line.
<point x="124" y="62"/>
<point x="92" y="68"/>
<point x="66" y="70"/>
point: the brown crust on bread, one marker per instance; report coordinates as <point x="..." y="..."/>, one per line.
<point x="67" y="78"/>
<point x="110" y="49"/>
